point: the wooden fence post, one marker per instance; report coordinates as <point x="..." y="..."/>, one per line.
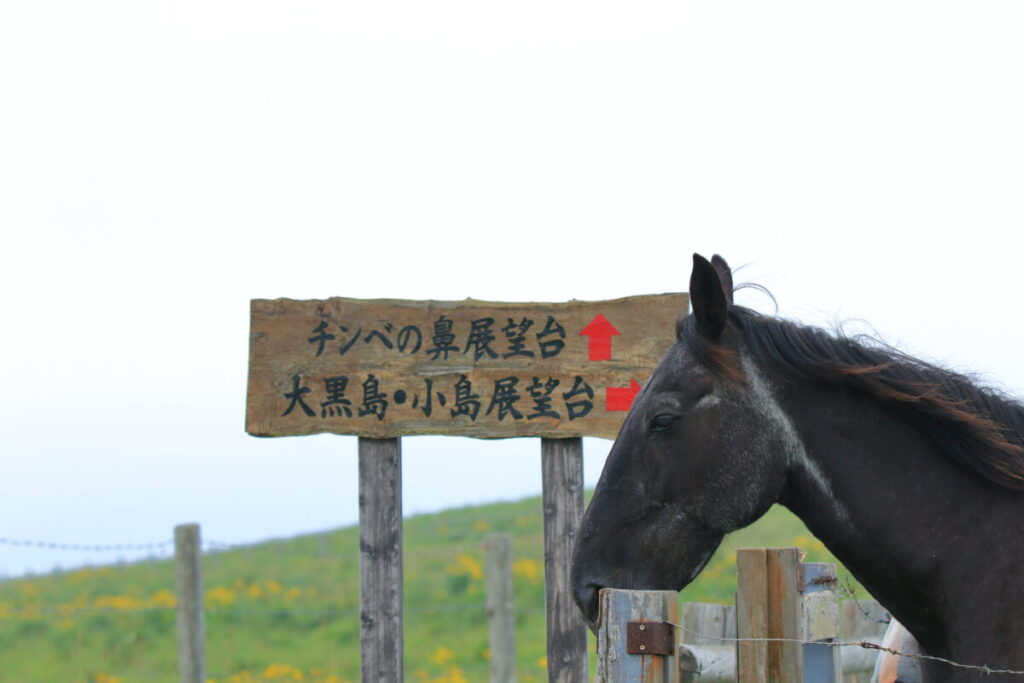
<point x="767" y="606"/>
<point x="819" y="622"/>
<point x="615" y="662"/>
<point x="191" y="632"/>
<point x="562" y="468"/>
<point x="787" y="613"/>
<point x="501" y="616"/>
<point x="380" y="559"/>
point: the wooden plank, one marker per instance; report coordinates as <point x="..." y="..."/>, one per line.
<point x="386" y="368"/>
<point x="751" y="615"/>
<point x="191" y="628"/>
<point x="380" y="559"/>
<point x="729" y="629"/>
<point x="562" y="471"/>
<point x="501" y="613"/>
<point x="768" y="606"/>
<point x="711" y="620"/>
<point x="617" y="608"/>
<point x="785" y="659"/>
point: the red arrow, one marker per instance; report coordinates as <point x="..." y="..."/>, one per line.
<point x="621" y="398"/>
<point x="600" y="332"/>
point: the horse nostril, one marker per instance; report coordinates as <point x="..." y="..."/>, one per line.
<point x="587" y="599"/>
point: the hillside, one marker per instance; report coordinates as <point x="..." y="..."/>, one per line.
<point x="288" y="609"/>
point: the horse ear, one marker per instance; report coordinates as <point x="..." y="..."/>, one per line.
<point x="725" y="274"/>
<point x="707" y="296"/>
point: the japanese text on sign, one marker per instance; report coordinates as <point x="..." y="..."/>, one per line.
<point x="491" y="370"/>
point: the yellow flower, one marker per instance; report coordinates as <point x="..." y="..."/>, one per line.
<point x="80" y="576"/>
<point x="220" y="596"/>
<point x="802" y="540"/>
<point x="481" y="525"/>
<point x="117" y="602"/>
<point x="163" y="598"/>
<point x="527" y="570"/>
<point x="441" y="656"/>
<point x="283" y="671"/>
<point x="452" y="675"/>
<point x="468" y="565"/>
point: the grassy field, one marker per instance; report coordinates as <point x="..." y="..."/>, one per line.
<point x="288" y="610"/>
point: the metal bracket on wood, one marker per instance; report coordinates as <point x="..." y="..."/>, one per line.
<point x="649" y="638"/>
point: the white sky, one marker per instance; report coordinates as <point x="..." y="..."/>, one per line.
<point x="163" y="163"/>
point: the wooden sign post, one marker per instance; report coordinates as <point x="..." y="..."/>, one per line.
<point x="382" y="369"/>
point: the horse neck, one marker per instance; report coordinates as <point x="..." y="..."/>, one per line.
<point x="910" y="525"/>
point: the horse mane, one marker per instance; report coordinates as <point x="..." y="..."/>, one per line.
<point x="972" y="424"/>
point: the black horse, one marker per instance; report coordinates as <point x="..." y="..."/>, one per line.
<point x="910" y="474"/>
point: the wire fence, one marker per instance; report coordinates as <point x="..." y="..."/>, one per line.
<point x="88" y="547"/>
<point x="160" y="549"/>
<point x="331" y="546"/>
<point x="865" y="644"/>
<point x="215" y="545"/>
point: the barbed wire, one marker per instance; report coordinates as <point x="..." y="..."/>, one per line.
<point x="311" y="611"/>
<point x="865" y="644"/>
<point x="846" y="590"/>
<point x="86" y="547"/>
<point x="216" y="545"/>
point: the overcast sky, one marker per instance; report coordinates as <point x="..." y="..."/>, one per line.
<point x="163" y="163"/>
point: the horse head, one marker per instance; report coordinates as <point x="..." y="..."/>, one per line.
<point x="701" y="453"/>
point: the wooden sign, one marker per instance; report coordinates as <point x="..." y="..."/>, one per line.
<point x="387" y="368"/>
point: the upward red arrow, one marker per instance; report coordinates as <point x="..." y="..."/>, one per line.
<point x="600" y="332"/>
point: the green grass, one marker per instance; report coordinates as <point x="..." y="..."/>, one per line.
<point x="289" y="609"/>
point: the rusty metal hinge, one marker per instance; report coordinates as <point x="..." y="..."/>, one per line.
<point x="649" y="638"/>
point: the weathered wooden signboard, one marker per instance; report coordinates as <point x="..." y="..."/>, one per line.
<point x="387" y="368"/>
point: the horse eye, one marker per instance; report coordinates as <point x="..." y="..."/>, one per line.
<point x="662" y="422"/>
